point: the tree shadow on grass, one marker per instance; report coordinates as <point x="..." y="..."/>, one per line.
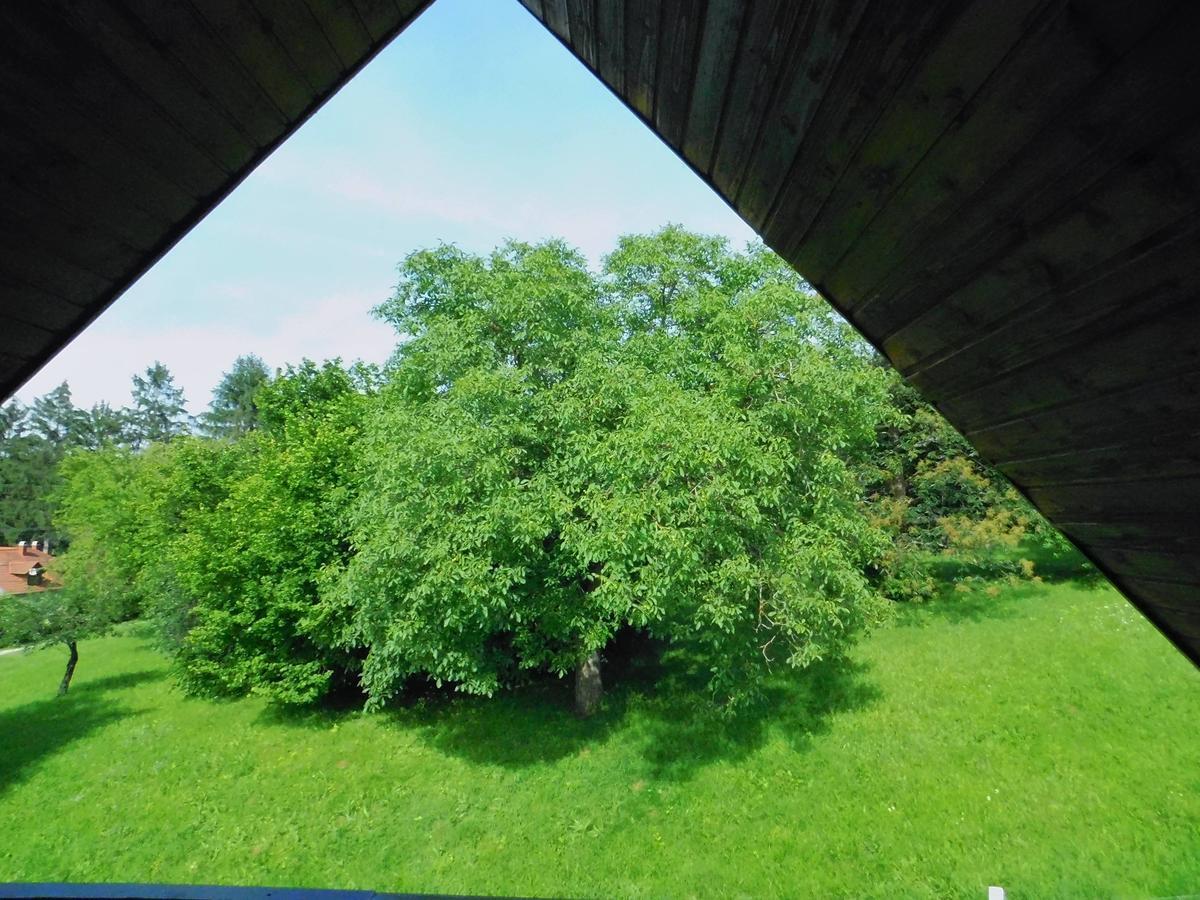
<point x="34" y="731"/>
<point x="959" y="604"/>
<point x="679" y="732"/>
<point x="657" y="699"/>
<point x="658" y="702"/>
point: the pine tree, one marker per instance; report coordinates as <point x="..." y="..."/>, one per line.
<point x="55" y="418"/>
<point x="159" y="411"/>
<point x="103" y="426"/>
<point x="234" y="410"/>
<point x="33" y="440"/>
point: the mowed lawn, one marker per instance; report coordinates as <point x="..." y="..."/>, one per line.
<point x="1046" y="739"/>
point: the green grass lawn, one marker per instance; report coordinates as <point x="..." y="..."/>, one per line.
<point x="1044" y="739"/>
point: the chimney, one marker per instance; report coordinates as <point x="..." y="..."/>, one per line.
<point x="23" y="545"/>
<point x="34" y="577"/>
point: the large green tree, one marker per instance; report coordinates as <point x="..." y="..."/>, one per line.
<point x="671" y="444"/>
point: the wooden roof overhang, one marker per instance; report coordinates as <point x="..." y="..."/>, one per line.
<point x="1002" y="195"/>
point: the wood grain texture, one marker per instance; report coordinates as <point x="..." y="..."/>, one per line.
<point x="683" y="20"/>
<point x="642" y="31"/>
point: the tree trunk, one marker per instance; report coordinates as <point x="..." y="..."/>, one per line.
<point x="588" y="687"/>
<point x="899" y="484"/>
<point x="74" y="658"/>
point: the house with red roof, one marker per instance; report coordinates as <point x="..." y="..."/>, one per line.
<point x="23" y="569"/>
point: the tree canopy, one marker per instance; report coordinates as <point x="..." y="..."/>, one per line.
<point x="670" y="444"/>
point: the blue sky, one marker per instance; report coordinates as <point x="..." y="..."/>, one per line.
<point x="474" y="125"/>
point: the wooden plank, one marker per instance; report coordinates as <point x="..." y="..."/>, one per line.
<point x="1109" y="361"/>
<point x="978" y="47"/>
<point x="83" y="243"/>
<point x="676" y="67"/>
<point x="27" y="260"/>
<point x="98" y="99"/>
<point x="12" y="365"/>
<point x="76" y="187"/>
<point x="1181" y="567"/>
<point x="1181" y="626"/>
<point x="999" y="146"/>
<point x="25" y="303"/>
<point x="557" y="18"/>
<point x="1167" y="454"/>
<point x="1174" y="534"/>
<point x="24" y="333"/>
<point x="641" y="55"/>
<point x="299" y="35"/>
<point x="1106" y="421"/>
<point x="721" y="28"/>
<point x="182" y="35"/>
<point x="19" y="362"/>
<point x="26" y="355"/>
<point x="766" y="39"/>
<point x="610" y="43"/>
<point x="344" y="31"/>
<point x="810" y="66"/>
<point x="410" y="9"/>
<point x="34" y="307"/>
<point x="248" y="36"/>
<point x="581" y="23"/>
<point x="382" y="17"/>
<point x="1165" y="595"/>
<point x="76" y="159"/>
<point x="535" y="7"/>
<point x="1016" y="101"/>
<point x="892" y="38"/>
<point x="1171" y="497"/>
<point x="1164" y="276"/>
<point x="167" y="84"/>
<point x="1118" y="220"/>
<point x="1128" y="111"/>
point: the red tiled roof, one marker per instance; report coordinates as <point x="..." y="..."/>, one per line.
<point x="15" y="563"/>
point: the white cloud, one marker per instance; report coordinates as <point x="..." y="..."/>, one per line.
<point x="479" y="211"/>
<point x="100" y="362"/>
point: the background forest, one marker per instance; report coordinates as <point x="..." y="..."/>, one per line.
<point x="686" y="447"/>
